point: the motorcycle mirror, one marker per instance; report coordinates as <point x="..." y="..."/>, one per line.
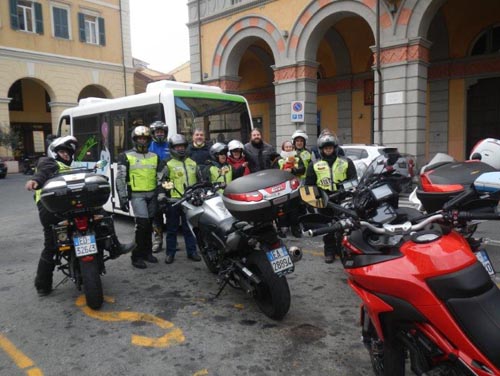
<point x="313" y="196"/>
<point x="101" y="164"/>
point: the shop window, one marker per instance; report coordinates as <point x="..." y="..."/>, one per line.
<point x="488" y="42"/>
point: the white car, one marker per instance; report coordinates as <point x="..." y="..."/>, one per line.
<point x="367" y="153"/>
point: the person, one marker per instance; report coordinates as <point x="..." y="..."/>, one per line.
<point x="299" y="140"/>
<point x="180" y="171"/>
<point x="61" y="151"/>
<point x="260" y="155"/>
<point x="136" y="181"/>
<point x="338" y="150"/>
<point x="199" y="150"/>
<point x="159" y="145"/>
<point x="326" y="173"/>
<point x="236" y="158"/>
<point x="219" y="170"/>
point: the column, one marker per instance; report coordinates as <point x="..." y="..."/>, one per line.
<point x="56" y="108"/>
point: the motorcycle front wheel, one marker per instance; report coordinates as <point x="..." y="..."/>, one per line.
<point x="92" y="286"/>
<point x="207" y="257"/>
<point x="272" y="295"/>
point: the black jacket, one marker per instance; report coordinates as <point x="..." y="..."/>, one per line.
<point x="46" y="169"/>
<point x="260" y="158"/>
<point x="200" y="155"/>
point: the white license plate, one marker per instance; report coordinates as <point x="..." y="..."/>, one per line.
<point x="280" y="260"/>
<point x="483" y="257"/>
<point x="85" y="245"/>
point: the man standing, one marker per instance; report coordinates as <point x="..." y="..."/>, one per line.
<point x="259" y="154"/>
<point x="159" y="132"/>
<point x="136" y="180"/>
<point x="199" y="150"/>
<point x="326" y="174"/>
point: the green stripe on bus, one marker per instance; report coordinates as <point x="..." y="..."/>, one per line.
<point x="208" y="95"/>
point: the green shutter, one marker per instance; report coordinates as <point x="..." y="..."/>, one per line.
<point x="102" y="31"/>
<point x="38" y="18"/>
<point x="81" y="26"/>
<point x="14" y="21"/>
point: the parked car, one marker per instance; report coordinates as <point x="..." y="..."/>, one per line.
<point x="367" y="153"/>
<point x="3" y="169"/>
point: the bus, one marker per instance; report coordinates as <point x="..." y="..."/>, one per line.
<point x="103" y="126"/>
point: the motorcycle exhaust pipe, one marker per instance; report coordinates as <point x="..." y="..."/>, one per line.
<point x="295" y="253"/>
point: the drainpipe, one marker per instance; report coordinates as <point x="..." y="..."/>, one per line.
<point x="199" y="42"/>
<point x="123" y="52"/>
<point x="379" y="73"/>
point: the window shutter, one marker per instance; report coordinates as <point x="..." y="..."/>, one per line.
<point x="14" y="21"/>
<point x="81" y="26"/>
<point x="38" y="18"/>
<point x="102" y="32"/>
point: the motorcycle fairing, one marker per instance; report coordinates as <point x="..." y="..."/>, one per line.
<point x="474" y="301"/>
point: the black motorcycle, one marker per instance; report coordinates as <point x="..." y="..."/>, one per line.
<point x="85" y="230"/>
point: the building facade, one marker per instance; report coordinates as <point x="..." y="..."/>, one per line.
<point x="54" y="53"/>
<point x="422" y="75"/>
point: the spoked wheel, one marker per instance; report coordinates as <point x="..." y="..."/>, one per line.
<point x="272" y="295"/>
<point x="91" y="278"/>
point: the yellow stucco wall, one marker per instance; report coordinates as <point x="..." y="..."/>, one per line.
<point x="358" y="38"/>
<point x="262" y="110"/>
<point x="329" y="108"/>
<point x="252" y="72"/>
<point x="361" y="119"/>
<point x="456" y="122"/>
<point x="34" y="105"/>
<point x="46" y="43"/>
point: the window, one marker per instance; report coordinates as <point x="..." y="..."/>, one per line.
<point x="86" y="131"/>
<point x="91" y="29"/>
<point x="60" y="22"/>
<point x="234" y="2"/>
<point x="26" y="15"/>
<point x="488" y="42"/>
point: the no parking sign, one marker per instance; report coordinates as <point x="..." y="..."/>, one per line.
<point x="297" y="112"/>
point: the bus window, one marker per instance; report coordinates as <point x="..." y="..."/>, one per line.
<point x="87" y="132"/>
<point x="223" y="120"/>
<point x="119" y="136"/>
<point x="64" y="126"/>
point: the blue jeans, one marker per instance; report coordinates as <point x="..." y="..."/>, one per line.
<point x="173" y="215"/>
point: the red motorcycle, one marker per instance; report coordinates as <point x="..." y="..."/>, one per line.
<point x="426" y="300"/>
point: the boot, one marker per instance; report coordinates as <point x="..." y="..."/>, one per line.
<point x="43" y="279"/>
<point x="118" y="249"/>
<point x="157" y="239"/>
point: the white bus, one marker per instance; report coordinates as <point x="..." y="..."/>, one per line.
<point x="103" y="126"/>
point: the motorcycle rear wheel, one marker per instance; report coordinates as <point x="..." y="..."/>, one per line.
<point x="272" y="295"/>
<point x="92" y="286"/>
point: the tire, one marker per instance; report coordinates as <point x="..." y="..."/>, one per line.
<point x="272" y="295"/>
<point x="387" y="357"/>
<point x="211" y="264"/>
<point x="92" y="287"/>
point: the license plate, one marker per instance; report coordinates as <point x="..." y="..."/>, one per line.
<point x="85" y="245"/>
<point x="280" y="260"/>
<point x="483" y="257"/>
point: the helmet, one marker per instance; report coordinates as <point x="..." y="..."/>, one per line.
<point x="299" y="133"/>
<point x="68" y="143"/>
<point x="143" y="131"/>
<point x="235" y="144"/>
<point x="158" y="125"/>
<point x="487" y="151"/>
<point x="327" y="140"/>
<point x="176" y="140"/>
<point x="217" y="149"/>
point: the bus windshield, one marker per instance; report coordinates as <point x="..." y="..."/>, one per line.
<point x="222" y="119"/>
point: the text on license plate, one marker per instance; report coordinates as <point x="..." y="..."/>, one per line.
<point x="484" y="259"/>
<point x="280" y="260"/>
<point x="85" y="245"/>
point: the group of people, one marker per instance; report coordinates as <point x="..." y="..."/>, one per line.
<point x="157" y="168"/>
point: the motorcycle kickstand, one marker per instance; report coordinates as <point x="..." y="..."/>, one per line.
<point x="64" y="280"/>
<point x="226" y="281"/>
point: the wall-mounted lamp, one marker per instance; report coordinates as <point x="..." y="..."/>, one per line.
<point x="205" y="75"/>
<point x="284" y="33"/>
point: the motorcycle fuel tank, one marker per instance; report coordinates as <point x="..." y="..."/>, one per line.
<point x="261" y="196"/>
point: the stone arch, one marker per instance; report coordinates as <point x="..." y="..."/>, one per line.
<point x="422" y="14"/>
<point x="40" y="82"/>
<point x="313" y="23"/>
<point x="241" y="35"/>
<point x="93" y="90"/>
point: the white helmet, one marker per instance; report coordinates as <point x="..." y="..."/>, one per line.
<point x="299" y="133"/>
<point x="487" y="151"/>
<point x="234" y="144"/>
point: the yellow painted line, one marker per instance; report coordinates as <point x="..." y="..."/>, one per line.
<point x="202" y="372"/>
<point x="21" y="360"/>
<point x="239" y="306"/>
<point x="174" y="336"/>
<point x="313" y="253"/>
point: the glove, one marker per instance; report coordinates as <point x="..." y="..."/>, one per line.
<point x="168" y="185"/>
<point x="124" y="206"/>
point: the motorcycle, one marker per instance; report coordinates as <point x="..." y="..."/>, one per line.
<point x="85" y="230"/>
<point x="237" y="238"/>
<point x="29" y="166"/>
<point x="425" y="297"/>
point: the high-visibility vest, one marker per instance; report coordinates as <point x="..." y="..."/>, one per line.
<point x="327" y="178"/>
<point x="181" y="173"/>
<point x="142" y="171"/>
<point x="217" y="177"/>
<point x="306" y="157"/>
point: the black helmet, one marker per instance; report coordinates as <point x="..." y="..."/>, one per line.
<point x="217" y="149"/>
<point x="68" y="143"/>
<point x="176" y="140"/>
<point x="158" y="125"/>
<point x="143" y="131"/>
<point x="327" y="140"/>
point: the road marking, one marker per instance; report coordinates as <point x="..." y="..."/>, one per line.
<point x="201" y="372"/>
<point x="313" y="253"/>
<point x="21" y="360"/>
<point x="175" y="336"/>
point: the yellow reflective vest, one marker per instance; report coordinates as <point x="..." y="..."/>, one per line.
<point x="327" y="178"/>
<point x="142" y="171"/>
<point x="181" y="173"/>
